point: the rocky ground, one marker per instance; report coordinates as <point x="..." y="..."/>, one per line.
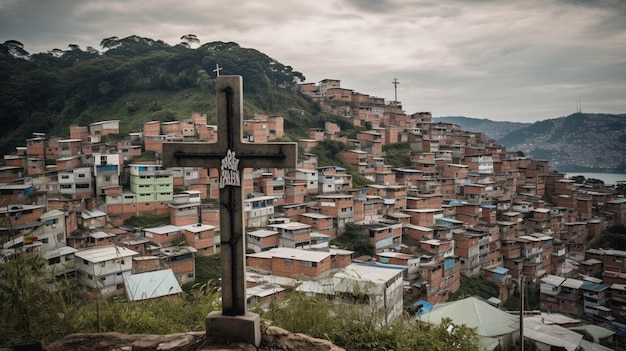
<point x="273" y="339"/>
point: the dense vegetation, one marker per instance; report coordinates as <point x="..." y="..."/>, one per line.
<point x="397" y="155"/>
<point x="353" y="238"/>
<point x="612" y="238"/>
<point x="135" y="80"/>
<point x="33" y="309"/>
<point x="475" y="286"/>
<point x="355" y="327"/>
<point x="327" y="155"/>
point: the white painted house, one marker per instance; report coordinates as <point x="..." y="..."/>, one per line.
<point x="103" y="268"/>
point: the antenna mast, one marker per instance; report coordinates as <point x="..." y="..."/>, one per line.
<point x="395" y="89"/>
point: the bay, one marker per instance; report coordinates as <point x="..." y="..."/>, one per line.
<point x="607" y="178"/>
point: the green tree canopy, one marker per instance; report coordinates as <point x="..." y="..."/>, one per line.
<point x="353" y="238"/>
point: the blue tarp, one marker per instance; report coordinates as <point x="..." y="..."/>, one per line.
<point x="500" y="270"/>
<point x="422" y="307"/>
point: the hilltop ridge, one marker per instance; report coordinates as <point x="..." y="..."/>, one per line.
<point x="137" y="79"/>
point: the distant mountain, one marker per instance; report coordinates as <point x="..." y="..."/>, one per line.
<point x="578" y="142"/>
<point x="492" y="129"/>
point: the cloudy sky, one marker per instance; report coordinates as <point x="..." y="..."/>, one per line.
<point x="503" y="60"/>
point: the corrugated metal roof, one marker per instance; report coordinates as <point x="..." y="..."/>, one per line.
<point x="58" y="252"/>
<point x="295" y="254"/>
<point x="101" y="235"/>
<point x="593" y="286"/>
<point x="198" y="227"/>
<point x="105" y="253"/>
<point x="163" y="229"/>
<point x="553" y="280"/>
<point x="488" y="320"/>
<point x="262" y="233"/>
<point x="551" y="334"/>
<point x="572" y="283"/>
<point x="151" y="285"/>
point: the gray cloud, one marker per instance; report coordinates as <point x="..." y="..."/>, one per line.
<point x="502" y="60"/>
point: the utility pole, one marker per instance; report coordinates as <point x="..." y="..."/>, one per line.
<point x="521" y="312"/>
<point x="395" y="89"/>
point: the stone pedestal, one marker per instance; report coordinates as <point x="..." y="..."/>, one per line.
<point x="246" y="328"/>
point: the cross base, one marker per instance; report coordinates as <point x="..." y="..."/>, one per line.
<point x="246" y="328"/>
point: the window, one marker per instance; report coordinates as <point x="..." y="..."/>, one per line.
<point x="288" y="261"/>
<point x="54" y="260"/>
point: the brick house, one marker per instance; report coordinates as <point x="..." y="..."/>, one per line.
<point x="164" y="235"/>
<point x="338" y="206"/>
<point x="291" y="263"/>
<point x="293" y="234"/>
<point x="262" y="240"/>
<point x="201" y="237"/>
<point x="383" y="235"/>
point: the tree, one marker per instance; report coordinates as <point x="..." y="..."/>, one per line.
<point x="56" y="52"/>
<point x="354" y="239"/>
<point x="110" y="42"/>
<point x="16" y="46"/>
<point x="189" y="39"/>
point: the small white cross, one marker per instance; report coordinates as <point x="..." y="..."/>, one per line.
<point x="217" y="69"/>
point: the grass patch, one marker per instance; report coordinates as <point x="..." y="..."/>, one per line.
<point x="147" y="221"/>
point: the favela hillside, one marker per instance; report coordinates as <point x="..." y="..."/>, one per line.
<point x="389" y="224"/>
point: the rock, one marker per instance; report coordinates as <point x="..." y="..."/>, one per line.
<point x="130" y="342"/>
<point x="274" y="339"/>
<point x="284" y="340"/>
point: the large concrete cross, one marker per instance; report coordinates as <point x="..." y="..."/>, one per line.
<point x="231" y="155"/>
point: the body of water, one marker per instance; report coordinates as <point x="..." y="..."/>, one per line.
<point x="607" y="178"/>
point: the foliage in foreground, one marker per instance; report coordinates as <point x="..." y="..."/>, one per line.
<point x="31" y="308"/>
<point x="348" y="326"/>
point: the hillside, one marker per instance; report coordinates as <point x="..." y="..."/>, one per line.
<point x="492" y="129"/>
<point x="578" y="142"/>
<point x="137" y="80"/>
